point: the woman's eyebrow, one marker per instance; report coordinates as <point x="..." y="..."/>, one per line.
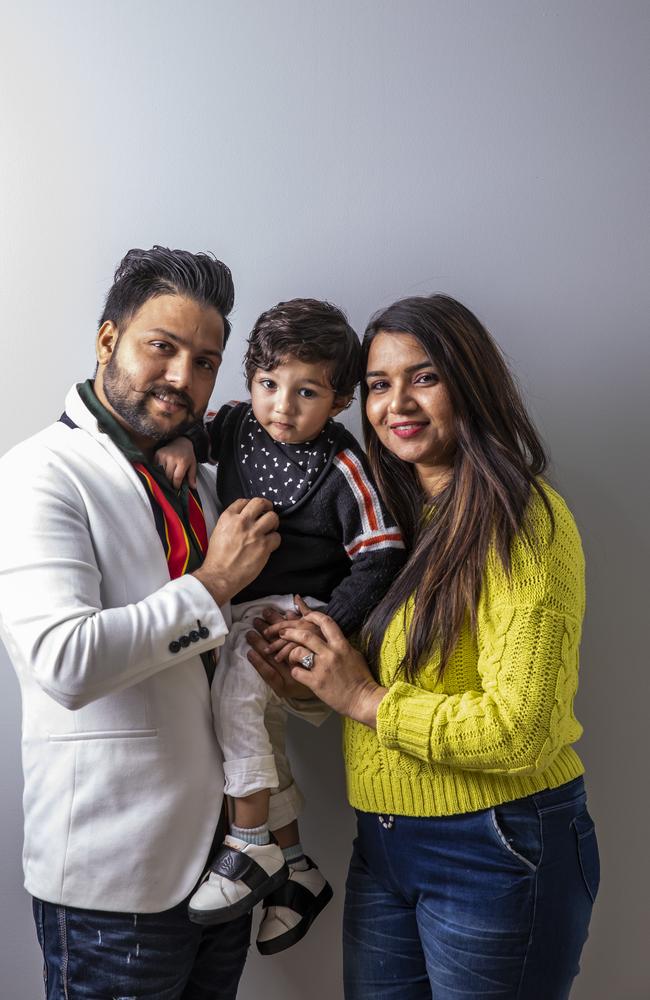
<point x="409" y="371"/>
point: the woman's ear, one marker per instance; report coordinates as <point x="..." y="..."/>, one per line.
<point x="341" y="403"/>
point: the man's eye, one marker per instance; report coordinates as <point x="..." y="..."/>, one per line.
<point x="160" y="345"/>
<point x="204" y="363"/>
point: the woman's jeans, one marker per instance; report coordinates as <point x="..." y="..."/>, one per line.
<point x="101" y="955"/>
<point x="492" y="904"/>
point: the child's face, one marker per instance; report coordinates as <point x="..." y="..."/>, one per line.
<point x="294" y="401"/>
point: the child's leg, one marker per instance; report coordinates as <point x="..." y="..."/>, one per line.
<point x="248" y="866"/>
<point x="291" y="909"/>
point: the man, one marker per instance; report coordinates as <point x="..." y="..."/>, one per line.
<point x="112" y="604"/>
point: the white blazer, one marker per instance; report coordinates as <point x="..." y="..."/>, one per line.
<point x="123" y="774"/>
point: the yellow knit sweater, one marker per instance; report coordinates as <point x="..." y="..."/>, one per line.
<point x="499" y="724"/>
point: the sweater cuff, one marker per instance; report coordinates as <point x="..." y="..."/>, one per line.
<point x="347" y="617"/>
<point x="405" y="719"/>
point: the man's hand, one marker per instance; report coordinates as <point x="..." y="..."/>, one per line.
<point x="177" y="459"/>
<point x="240" y="545"/>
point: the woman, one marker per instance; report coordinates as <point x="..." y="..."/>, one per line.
<point x="476" y="864"/>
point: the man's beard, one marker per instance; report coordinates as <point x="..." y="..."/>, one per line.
<point x="131" y="404"/>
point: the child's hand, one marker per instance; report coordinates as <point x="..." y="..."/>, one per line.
<point x="279" y="647"/>
<point x="178" y="461"/>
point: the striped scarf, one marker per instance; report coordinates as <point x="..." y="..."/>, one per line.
<point x="178" y="515"/>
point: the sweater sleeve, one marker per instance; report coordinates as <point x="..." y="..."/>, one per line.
<point x="372" y="540"/>
<point x="205" y="436"/>
<point x="521" y="714"/>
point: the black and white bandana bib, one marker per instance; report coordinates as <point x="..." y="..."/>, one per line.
<point x="283" y="473"/>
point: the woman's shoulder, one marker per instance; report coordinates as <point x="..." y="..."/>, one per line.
<point x="549" y="525"/>
<point x="546" y="558"/>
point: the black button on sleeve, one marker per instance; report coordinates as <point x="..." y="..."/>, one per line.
<point x="204" y="632"/>
<point x="194" y="636"/>
<point x="184" y="641"/>
<point x="174" y="647"/>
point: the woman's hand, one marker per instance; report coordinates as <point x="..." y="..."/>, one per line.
<point x="261" y="654"/>
<point x="339" y="676"/>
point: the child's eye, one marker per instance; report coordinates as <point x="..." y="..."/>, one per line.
<point x="307" y="393"/>
<point x="267" y="383"/>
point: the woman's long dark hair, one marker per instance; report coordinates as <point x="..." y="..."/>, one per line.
<point x="497" y="458"/>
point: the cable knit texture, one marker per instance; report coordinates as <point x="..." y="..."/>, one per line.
<point x="499" y="724"/>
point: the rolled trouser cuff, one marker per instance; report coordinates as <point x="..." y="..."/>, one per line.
<point x="285" y="806"/>
<point x="249" y="774"/>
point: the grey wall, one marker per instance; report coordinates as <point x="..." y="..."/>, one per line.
<point x="361" y="151"/>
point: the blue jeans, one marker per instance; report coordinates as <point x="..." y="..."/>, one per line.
<point x="492" y="904"/>
<point x="101" y="955"/>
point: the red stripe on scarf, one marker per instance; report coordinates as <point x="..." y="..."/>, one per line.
<point x="178" y="544"/>
<point x="197" y="522"/>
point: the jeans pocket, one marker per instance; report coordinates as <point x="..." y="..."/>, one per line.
<point x="518" y="830"/>
<point x="588" y="855"/>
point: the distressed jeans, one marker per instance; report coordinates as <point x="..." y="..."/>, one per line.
<point x="101" y="955"/>
<point x="491" y="904"/>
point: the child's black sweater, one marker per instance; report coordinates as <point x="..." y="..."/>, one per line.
<point x="339" y="543"/>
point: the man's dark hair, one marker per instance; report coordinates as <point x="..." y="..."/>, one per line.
<point x="309" y="330"/>
<point x="144" y="274"/>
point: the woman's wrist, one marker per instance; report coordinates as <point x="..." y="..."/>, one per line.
<point x="365" y="703"/>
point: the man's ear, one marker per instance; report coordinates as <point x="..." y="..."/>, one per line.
<point x="341" y="403"/>
<point x="107" y="339"/>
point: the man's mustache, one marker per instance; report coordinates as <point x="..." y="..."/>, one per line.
<point x="177" y="395"/>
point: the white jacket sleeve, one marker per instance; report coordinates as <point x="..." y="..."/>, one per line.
<point x="52" y="616"/>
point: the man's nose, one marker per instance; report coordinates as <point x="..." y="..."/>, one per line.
<point x="179" y="371"/>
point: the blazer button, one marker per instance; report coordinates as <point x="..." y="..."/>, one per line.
<point x="194" y="636"/>
<point x="174" y="647"/>
<point x="204" y="632"/>
<point x="184" y="640"/>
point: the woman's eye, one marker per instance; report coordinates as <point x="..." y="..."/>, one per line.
<point x="427" y="378"/>
<point x="377" y="386"/>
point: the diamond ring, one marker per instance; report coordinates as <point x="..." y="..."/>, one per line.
<point x="308" y="661"/>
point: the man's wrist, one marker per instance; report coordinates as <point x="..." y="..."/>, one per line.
<point x="215" y="586"/>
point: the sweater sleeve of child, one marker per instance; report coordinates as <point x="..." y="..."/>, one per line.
<point x="528" y="633"/>
<point x="206" y="436"/>
<point x="372" y="540"/>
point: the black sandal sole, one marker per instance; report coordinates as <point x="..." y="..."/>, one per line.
<point x="298" y="932"/>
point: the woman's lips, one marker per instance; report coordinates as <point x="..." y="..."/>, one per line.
<point x="407" y="430"/>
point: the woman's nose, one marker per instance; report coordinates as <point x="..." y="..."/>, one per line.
<point x="401" y="400"/>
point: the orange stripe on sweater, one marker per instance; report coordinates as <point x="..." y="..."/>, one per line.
<point x="368" y="543"/>
<point x="363" y="489"/>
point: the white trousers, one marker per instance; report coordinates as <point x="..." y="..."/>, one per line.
<point x="250" y="719"/>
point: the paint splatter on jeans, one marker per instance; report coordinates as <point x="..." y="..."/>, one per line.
<point x="101" y="955"/>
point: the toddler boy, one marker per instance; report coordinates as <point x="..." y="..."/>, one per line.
<point x="339" y="546"/>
